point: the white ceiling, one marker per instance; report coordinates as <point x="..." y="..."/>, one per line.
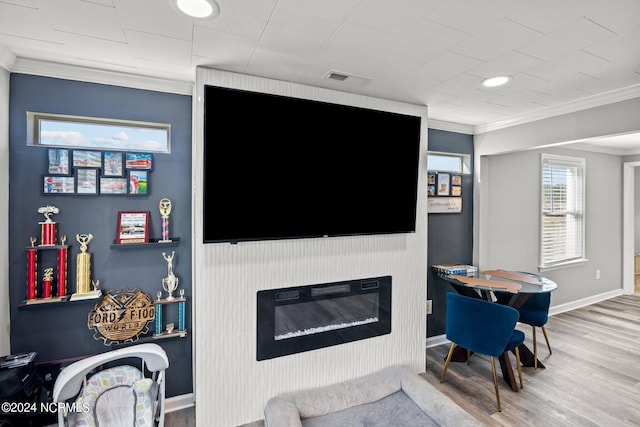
<point x="434" y="52"/>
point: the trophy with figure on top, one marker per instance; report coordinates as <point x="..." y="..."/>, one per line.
<point x="83" y="272"/>
<point x="165" y="210"/>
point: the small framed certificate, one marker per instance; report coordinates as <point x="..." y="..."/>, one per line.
<point x="133" y="227"/>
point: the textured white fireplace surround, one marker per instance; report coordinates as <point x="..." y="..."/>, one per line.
<point x="231" y="387"/>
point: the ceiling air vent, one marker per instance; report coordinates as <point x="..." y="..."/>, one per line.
<point x="347" y="78"/>
<point x="337" y="76"/>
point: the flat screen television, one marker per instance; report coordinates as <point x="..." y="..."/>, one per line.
<point x="278" y="167"/>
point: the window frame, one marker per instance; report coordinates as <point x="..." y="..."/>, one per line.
<point x="465" y="162"/>
<point x="101" y="125"/>
<point x="580" y="258"/>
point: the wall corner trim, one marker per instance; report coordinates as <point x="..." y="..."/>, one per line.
<point x="176" y="403"/>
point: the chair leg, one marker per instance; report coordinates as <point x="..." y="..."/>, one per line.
<point x="468" y="357"/>
<point x="495" y="382"/>
<point x="544" y="331"/>
<point x="446" y="364"/>
<point x="535" y="349"/>
<point x="519" y="366"/>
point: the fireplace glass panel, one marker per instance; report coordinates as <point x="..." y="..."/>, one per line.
<point x="325" y="315"/>
<point x="297" y="319"/>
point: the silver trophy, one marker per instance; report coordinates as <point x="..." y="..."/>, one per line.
<point x="169" y="283"/>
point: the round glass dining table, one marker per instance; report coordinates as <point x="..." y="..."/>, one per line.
<point x="512" y="288"/>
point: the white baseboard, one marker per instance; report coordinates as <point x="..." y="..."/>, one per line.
<point x="176" y="403"/>
<point x="557" y="309"/>
<point x="437" y="340"/>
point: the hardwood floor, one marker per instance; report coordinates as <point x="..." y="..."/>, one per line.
<point x="182" y="418"/>
<point x="591" y="379"/>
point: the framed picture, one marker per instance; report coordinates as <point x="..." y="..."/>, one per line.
<point x="133" y="227"/>
<point x="112" y="164"/>
<point x="52" y="184"/>
<point x="139" y="161"/>
<point x="87" y="181"/>
<point x="87" y="159"/>
<point x="456" y="190"/>
<point x="456" y="179"/>
<point x="58" y="159"/>
<point x="138" y="182"/>
<point x="443" y="184"/>
<point x="109" y="185"/>
<point x="431" y="189"/>
<point x="431" y="177"/>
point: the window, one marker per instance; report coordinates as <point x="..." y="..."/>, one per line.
<point x="449" y="162"/>
<point x="562" y="220"/>
<point x="57" y="130"/>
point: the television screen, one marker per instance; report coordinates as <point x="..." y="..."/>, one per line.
<point x="277" y="167"/>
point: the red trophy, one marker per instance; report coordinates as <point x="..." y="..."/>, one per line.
<point x="47" y="279"/>
<point x="48" y="227"/>
<point x="32" y="268"/>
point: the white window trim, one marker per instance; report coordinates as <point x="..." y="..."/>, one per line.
<point x="465" y="161"/>
<point x="34" y="136"/>
<point x="569" y="161"/>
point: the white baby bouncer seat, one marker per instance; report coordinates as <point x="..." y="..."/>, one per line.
<point x="116" y="397"/>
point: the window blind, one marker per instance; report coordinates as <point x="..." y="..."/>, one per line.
<point x="562" y="222"/>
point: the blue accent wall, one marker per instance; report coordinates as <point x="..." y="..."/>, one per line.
<point x="450" y="234"/>
<point x="60" y="332"/>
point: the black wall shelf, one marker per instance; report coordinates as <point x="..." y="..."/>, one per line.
<point x="55" y="302"/>
<point x="153" y="243"/>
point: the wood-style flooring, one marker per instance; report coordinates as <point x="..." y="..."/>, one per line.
<point x="591" y="379"/>
<point x="182" y="418"/>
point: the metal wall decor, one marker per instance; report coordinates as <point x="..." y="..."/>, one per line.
<point x="121" y="316"/>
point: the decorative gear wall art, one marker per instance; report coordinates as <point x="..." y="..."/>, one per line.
<point x="121" y="316"/>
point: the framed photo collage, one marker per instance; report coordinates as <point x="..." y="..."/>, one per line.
<point x="444" y="184"/>
<point x="93" y="172"/>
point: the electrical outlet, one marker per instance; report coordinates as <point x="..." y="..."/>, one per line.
<point x="429" y="306"/>
<point x="597" y="274"/>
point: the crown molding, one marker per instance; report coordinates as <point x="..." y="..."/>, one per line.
<point x="94" y="75"/>
<point x="450" y="126"/>
<point x="7" y="58"/>
<point x="592" y="101"/>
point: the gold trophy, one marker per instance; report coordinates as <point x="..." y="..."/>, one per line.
<point x="165" y="210"/>
<point x="83" y="271"/>
<point x="169" y="283"/>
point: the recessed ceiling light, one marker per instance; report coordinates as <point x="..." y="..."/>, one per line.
<point x="496" y="81"/>
<point x="199" y="8"/>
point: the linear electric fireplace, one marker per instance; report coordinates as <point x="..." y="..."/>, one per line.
<point x="293" y="320"/>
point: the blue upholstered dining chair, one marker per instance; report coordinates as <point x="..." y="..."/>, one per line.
<point x="482" y="327"/>
<point x="535" y="312"/>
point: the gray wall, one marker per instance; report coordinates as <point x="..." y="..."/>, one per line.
<point x="636" y="201"/>
<point x="59" y="332"/>
<point x="4" y="213"/>
<point x="450" y="235"/>
<point x="512" y="223"/>
<point x="495" y="211"/>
